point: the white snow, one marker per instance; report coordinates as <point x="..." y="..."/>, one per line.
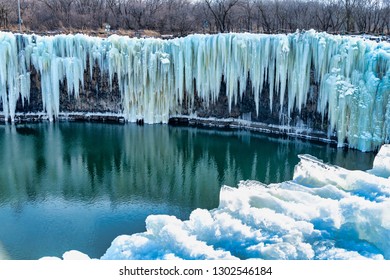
<point x="69" y="256"/>
<point x="325" y="212"/>
<point x="353" y="75"/>
<point x="382" y="162"/>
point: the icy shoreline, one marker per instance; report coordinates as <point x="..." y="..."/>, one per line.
<point x="302" y="132"/>
<point x="324" y="212"/>
<point x="211" y="122"/>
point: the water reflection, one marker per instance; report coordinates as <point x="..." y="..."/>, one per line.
<point x="78" y="185"/>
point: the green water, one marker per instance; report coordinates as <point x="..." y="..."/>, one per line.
<point x="77" y="186"/>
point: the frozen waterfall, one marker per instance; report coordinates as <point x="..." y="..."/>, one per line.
<point x="156" y="78"/>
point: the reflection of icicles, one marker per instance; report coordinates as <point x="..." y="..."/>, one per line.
<point x="155" y="76"/>
<point x="3" y="253"/>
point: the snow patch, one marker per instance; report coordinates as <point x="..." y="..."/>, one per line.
<point x="69" y="256"/>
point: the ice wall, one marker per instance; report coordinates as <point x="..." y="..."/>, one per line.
<point x="156" y="77"/>
<point x="325" y="212"/>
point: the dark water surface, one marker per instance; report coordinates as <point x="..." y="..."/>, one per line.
<point x="77" y="186"/>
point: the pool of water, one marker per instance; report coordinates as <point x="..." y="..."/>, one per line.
<point x="77" y="186"/>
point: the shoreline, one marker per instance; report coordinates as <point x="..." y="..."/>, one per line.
<point x="182" y="120"/>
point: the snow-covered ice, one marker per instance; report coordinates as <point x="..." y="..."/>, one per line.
<point x="352" y="74"/>
<point x="382" y="163"/>
<point x="325" y="212"/>
<point x="72" y="255"/>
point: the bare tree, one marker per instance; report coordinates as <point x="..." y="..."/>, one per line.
<point x="183" y="16"/>
<point x="139" y="14"/>
<point x="295" y="12"/>
<point x="133" y="13"/>
<point x="281" y="13"/>
<point x="248" y="13"/>
<point x="264" y="17"/>
<point x="221" y="9"/>
<point x="338" y="17"/>
<point x="61" y="10"/>
<point x="324" y="15"/>
<point x="90" y="13"/>
<point x="384" y="26"/>
<point x="176" y="16"/>
<point x="367" y="15"/>
<point x="4" y="13"/>
<point x="350" y="6"/>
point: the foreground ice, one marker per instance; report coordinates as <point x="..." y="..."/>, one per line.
<point x="69" y="256"/>
<point x="325" y="212"/>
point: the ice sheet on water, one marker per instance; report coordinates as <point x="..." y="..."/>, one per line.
<point x="325" y="212"/>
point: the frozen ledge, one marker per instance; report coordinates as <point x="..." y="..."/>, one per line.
<point x="67" y="116"/>
<point x="231" y="123"/>
<point x="234" y="123"/>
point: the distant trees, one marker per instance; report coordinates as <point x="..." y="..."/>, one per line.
<point x="4" y="14"/>
<point x="180" y="17"/>
<point x="222" y="11"/>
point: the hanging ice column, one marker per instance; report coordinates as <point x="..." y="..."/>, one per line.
<point x="155" y="77"/>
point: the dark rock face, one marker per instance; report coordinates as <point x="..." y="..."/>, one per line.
<point x="97" y="97"/>
<point x="34" y="104"/>
<point x="245" y="108"/>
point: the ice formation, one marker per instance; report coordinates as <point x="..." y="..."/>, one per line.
<point x="382" y="163"/>
<point x="325" y="212"/>
<point x="72" y="255"/>
<point x="154" y="76"/>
